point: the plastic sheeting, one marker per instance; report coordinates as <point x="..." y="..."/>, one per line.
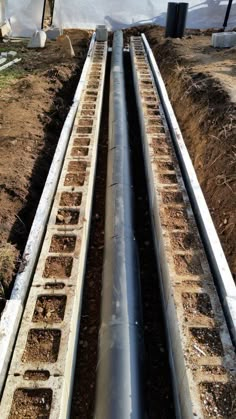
<point x="118" y="14"/>
<point x="25" y="16"/>
<point x="2" y="11"/>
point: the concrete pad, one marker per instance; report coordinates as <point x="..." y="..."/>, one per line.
<point x="224" y="39"/>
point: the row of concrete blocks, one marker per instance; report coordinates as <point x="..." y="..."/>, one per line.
<point x="53" y="379"/>
<point x="190" y="361"/>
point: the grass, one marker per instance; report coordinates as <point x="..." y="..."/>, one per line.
<point x="9" y="75"/>
<point x="12" y="73"/>
<point x="8" y="258"/>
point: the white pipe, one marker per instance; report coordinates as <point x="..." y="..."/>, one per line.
<point x="16" y="60"/>
<point x="13" y="310"/>
<point x="225" y="282"/>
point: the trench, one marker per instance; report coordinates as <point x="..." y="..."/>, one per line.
<point x="158" y="395"/>
<point x="156" y="378"/>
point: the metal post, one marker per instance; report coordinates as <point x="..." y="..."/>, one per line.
<point x="44" y="8"/>
<point x="227" y="14"/>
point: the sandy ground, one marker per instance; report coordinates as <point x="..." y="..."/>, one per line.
<point x="35" y="98"/>
<point x="201" y="82"/>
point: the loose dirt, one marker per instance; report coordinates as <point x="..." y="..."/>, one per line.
<point x="201" y="84"/>
<point x="35" y="99"/>
<point x="32" y="403"/>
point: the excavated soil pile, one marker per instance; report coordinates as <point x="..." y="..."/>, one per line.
<point x="201" y="82"/>
<point x="35" y="99"/>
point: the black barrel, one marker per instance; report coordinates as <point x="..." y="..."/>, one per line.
<point x="118" y="390"/>
<point x="171" y="20"/>
<point x="181" y="22"/>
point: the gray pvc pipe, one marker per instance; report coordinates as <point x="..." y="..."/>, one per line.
<point x="118" y="391"/>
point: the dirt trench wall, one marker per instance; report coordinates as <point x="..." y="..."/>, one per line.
<point x="207" y="119"/>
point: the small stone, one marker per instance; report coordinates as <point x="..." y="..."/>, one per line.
<point x="40" y="309"/>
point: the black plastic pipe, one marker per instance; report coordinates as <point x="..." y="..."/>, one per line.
<point x="176" y="19"/>
<point x="227" y="14"/>
<point x="171" y="20"/>
<point x="182" y="17"/>
<point x="119" y="391"/>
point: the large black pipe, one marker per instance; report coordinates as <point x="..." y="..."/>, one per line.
<point x="176" y="19"/>
<point x="181" y="22"/>
<point x="118" y="391"/>
<point x="171" y="20"/>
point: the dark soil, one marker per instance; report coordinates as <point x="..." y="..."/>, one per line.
<point x="208" y="340"/>
<point x="62" y="244"/>
<point x="58" y="267"/>
<point x="42" y="346"/>
<point x="49" y="309"/>
<point x="217" y="400"/>
<point x="31" y="404"/>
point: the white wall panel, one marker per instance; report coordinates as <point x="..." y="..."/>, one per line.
<point x="25" y="16"/>
<point x="122" y="13"/>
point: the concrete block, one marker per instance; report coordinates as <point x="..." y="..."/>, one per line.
<point x="101" y="33"/>
<point x="38" y="40"/>
<point x="224" y="39"/>
<point x="53" y="33"/>
<point x="2" y="60"/>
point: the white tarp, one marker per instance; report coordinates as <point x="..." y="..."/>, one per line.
<point x="2" y="11"/>
<point x="25" y="16"/>
<point x="122" y="13"/>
